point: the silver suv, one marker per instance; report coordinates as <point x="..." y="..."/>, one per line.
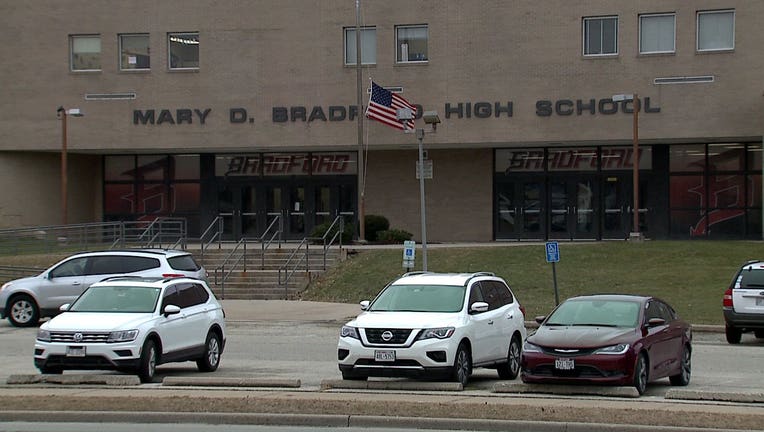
<point x="24" y="301"/>
<point x="743" y="302"/>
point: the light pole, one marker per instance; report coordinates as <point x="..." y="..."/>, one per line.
<point x="635" y="234"/>
<point x="63" y="113"/>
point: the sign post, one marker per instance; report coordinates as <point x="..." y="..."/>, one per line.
<point x="409" y="254"/>
<point x="553" y="256"/>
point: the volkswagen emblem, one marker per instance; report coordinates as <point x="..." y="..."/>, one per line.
<point x="387" y="335"/>
<point x="78" y="337"/>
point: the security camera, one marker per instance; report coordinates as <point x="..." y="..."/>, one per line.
<point x="431" y="117"/>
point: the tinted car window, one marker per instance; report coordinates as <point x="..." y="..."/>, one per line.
<point x="135" y="264"/>
<point x="187" y="295"/>
<point x="201" y="293"/>
<point x="475" y="295"/>
<point x="503" y="291"/>
<point x="750" y="279"/>
<point x="108" y="264"/>
<point x="73" y="267"/>
<point x="170" y="297"/>
<point x="491" y="295"/>
<point x="184" y="263"/>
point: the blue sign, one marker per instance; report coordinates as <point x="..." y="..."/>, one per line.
<point x="552" y="252"/>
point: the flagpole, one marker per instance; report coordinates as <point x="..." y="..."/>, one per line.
<point x="361" y="167"/>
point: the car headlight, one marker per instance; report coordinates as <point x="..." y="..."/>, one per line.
<point x="613" y="349"/>
<point x="350" y="332"/>
<point x="122" y="336"/>
<point x="529" y="347"/>
<point x="43" y="335"/>
<point x="437" y="333"/>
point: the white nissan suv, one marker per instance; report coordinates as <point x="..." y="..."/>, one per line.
<point x="133" y="324"/>
<point x="435" y="325"/>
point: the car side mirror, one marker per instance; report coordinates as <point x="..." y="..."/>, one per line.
<point x="655" y="322"/>
<point x="478" y="307"/>
<point x="540" y="319"/>
<point x="364" y="305"/>
<point x="171" y="310"/>
<point x="64" y="307"/>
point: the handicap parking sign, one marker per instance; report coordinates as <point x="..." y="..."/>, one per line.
<point x="552" y="252"/>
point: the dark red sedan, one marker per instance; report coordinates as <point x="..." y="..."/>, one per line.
<point x="609" y="339"/>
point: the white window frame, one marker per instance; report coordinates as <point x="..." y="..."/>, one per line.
<point x="399" y="55"/>
<point x="673" y="36"/>
<point x="697" y="30"/>
<point x="128" y="35"/>
<point x="72" y="38"/>
<point x="346" y="32"/>
<point x="170" y="35"/>
<point x="584" y="35"/>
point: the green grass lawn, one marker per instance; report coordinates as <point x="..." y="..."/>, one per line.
<point x="689" y="275"/>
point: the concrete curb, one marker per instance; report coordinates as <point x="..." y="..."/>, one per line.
<point x="230" y="382"/>
<point x="566" y="390"/>
<point x="75" y="379"/>
<point x="737" y="397"/>
<point x="391" y="385"/>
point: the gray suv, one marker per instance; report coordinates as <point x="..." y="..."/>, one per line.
<point x="743" y="302"/>
<point x="24" y="301"/>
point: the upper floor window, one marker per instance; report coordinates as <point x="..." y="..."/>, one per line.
<point x="183" y="50"/>
<point x="657" y="33"/>
<point x="411" y="43"/>
<point x="85" y="52"/>
<point x="134" y="52"/>
<point x="600" y="35"/>
<point x="368" y="46"/>
<point x="716" y="30"/>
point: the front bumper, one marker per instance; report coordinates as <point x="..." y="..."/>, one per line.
<point x="598" y="369"/>
<point x="116" y="356"/>
<point x="424" y="358"/>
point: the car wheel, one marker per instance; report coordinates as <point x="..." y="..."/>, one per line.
<point x="640" y="373"/>
<point x="734" y="334"/>
<point x="148" y="363"/>
<point x="51" y="370"/>
<point x="351" y="376"/>
<point x="683" y="377"/>
<point x="462" y="368"/>
<point x="759" y="334"/>
<point x="511" y="368"/>
<point x="211" y="359"/>
<point x="23" y="311"/>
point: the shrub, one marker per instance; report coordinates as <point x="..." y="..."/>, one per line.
<point x="320" y="230"/>
<point x="373" y="225"/>
<point x="393" y="236"/>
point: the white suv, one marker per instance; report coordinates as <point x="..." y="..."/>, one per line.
<point x="438" y="325"/>
<point x="24" y="301"/>
<point x="134" y="324"/>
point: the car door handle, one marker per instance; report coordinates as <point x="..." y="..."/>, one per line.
<point x="490" y="322"/>
<point x="76" y="283"/>
<point x="510" y="316"/>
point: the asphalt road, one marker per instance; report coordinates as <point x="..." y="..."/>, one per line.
<point x="306" y="351"/>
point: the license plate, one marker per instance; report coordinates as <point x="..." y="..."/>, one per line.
<point x="564" y="364"/>
<point x="75" y="351"/>
<point x="759" y="301"/>
<point x="384" y="356"/>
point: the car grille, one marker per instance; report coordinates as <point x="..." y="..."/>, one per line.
<point x="567" y="353"/>
<point x="87" y="337"/>
<point x="374" y="336"/>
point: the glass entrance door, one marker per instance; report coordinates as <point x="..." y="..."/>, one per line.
<point x="615" y="198"/>
<point x="520" y="209"/>
<point x="237" y="205"/>
<point x="572" y="208"/>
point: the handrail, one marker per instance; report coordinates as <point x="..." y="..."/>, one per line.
<point x="285" y="267"/>
<point x="218" y="221"/>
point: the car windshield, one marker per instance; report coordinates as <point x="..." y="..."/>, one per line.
<point x="117" y="299"/>
<point x="595" y="312"/>
<point x="419" y="298"/>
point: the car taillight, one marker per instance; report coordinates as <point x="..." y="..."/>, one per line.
<point x="522" y="309"/>
<point x="727" y="299"/>
<point x="172" y="275"/>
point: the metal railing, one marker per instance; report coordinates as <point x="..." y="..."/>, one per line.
<point x="158" y="233"/>
<point x="210" y="236"/>
<point x="237" y="258"/>
<point x="297" y="258"/>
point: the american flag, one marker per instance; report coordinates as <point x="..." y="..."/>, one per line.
<point x="384" y="106"/>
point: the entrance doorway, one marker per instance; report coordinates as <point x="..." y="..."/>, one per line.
<point x="573" y="208"/>
<point x="521" y="209"/>
<point x="249" y="206"/>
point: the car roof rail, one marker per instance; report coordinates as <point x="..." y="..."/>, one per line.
<point x="477" y="274"/>
<point x="414" y="273"/>
<point x="123" y="277"/>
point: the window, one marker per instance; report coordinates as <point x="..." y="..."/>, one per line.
<point x="716" y="30"/>
<point x="368" y="46"/>
<point x="600" y="36"/>
<point x="657" y="33"/>
<point x="134" y="52"/>
<point x="85" y="52"/>
<point x="411" y="43"/>
<point x="183" y="50"/>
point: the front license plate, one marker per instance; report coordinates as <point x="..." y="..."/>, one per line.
<point x="75" y="351"/>
<point x="564" y="364"/>
<point x="384" y="356"/>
